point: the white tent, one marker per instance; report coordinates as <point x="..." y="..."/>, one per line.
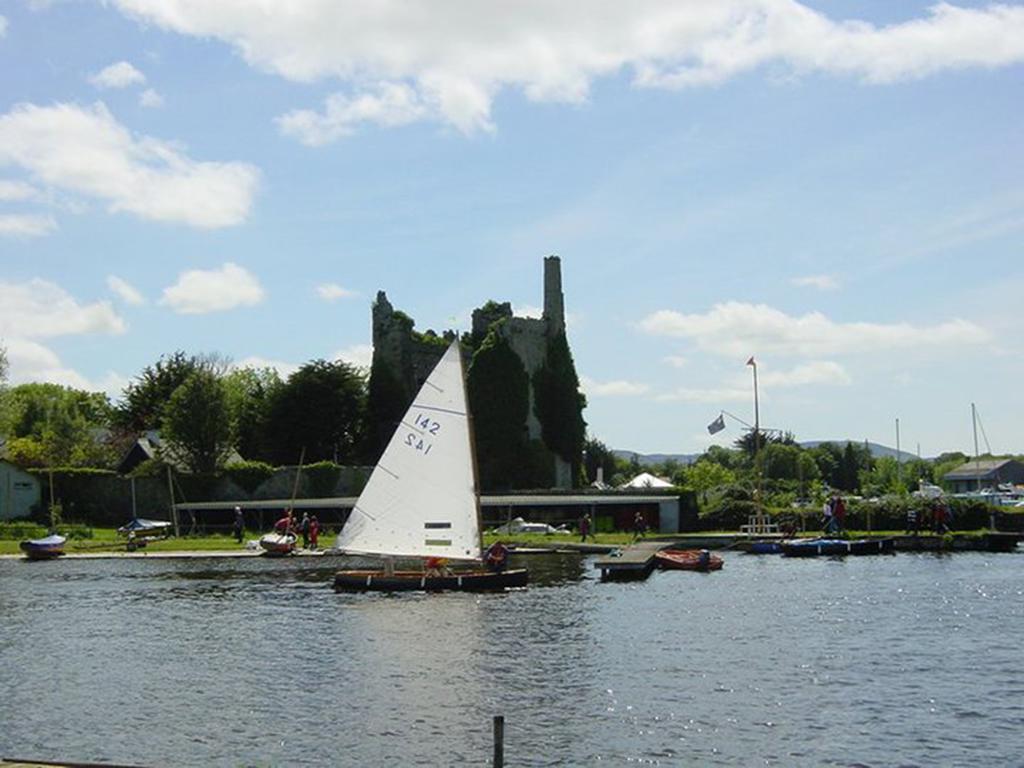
<point x="646" y="480"/>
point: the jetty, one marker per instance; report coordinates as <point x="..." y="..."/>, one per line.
<point x="632" y="563"/>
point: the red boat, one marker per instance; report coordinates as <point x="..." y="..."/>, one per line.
<point x="688" y="560"/>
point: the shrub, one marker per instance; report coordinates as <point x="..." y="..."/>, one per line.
<point x="248" y="475"/>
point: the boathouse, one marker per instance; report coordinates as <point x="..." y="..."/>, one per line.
<point x="19" y="492"/>
<point x="984" y="473"/>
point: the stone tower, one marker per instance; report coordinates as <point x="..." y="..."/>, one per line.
<point x="412" y="355"/>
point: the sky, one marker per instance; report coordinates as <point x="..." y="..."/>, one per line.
<point x="834" y="188"/>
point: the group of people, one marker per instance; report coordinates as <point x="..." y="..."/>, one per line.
<point x="834" y="514"/>
<point x="308" y="528"/>
<point x="937" y="516"/>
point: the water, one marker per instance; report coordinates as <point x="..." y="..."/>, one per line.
<point x="882" y="661"/>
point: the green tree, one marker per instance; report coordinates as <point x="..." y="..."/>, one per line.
<point x="322" y="408"/>
<point x="248" y="392"/>
<point x="598" y="455"/>
<point x="559" y="403"/>
<point x="196" y="428"/>
<point x="704" y="476"/>
<point x="142" y="405"/>
<point x="68" y="426"/>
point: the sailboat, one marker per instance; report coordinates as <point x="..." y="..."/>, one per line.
<point x="421" y="500"/>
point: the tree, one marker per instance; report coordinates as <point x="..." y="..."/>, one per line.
<point x="3" y="366"/>
<point x="322" y="408"/>
<point x="142" y="404"/>
<point x="598" y="455"/>
<point x="63" y="425"/>
<point x="249" y="392"/>
<point x="705" y="475"/>
<point x="196" y="428"/>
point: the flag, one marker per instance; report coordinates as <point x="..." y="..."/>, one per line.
<point x="717" y="425"/>
<point x="751" y="361"/>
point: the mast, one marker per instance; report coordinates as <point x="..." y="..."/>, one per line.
<point x="472" y="453"/>
<point x="977" y="458"/>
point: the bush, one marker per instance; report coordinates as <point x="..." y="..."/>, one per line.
<point x="248" y="475"/>
<point x="21" y="530"/>
<point x="323" y="477"/>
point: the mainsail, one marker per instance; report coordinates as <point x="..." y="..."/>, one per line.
<point x="421" y="498"/>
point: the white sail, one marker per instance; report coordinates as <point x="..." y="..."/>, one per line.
<point x="421" y="499"/>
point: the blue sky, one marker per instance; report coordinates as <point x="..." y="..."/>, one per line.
<point x="836" y="188"/>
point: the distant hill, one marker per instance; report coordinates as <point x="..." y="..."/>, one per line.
<point x="648" y="459"/>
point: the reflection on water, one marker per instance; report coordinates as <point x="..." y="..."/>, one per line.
<point x="904" y="660"/>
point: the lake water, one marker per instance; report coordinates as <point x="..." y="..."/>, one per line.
<point x="911" y="659"/>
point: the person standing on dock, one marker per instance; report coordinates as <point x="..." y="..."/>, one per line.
<point x="314" y="531"/>
<point x="238" y="527"/>
<point x="639" y="525"/>
<point x="584" y="526"/>
<point x="826" y="511"/>
<point x="304" y="530"/>
<point x="838" y="514"/>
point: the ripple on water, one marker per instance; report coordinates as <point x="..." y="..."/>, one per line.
<point x="769" y="661"/>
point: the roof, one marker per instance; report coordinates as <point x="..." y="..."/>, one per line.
<point x="980" y="468"/>
<point x="646" y="480"/>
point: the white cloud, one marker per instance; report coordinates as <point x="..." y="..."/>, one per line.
<point x="3" y="26"/>
<point x="612" y="388"/>
<point x="150" y="98"/>
<point x="40" y="309"/>
<point x="428" y="60"/>
<point x="817" y="372"/>
<point x="392" y="105"/>
<point x="125" y="290"/>
<point x="284" y="370"/>
<point x="821" y="282"/>
<point x="86" y="151"/>
<point x="198" y="292"/>
<point x="26" y="225"/>
<point x="359" y="354"/>
<point x="333" y="292"/>
<point x="17" y="190"/>
<point x="736" y="329"/>
<point x="119" y="75"/>
<point x="31" y="361"/>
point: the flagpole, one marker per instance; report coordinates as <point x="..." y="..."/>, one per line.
<point x="757" y="430"/>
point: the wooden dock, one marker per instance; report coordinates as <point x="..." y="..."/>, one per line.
<point x="634" y="562"/>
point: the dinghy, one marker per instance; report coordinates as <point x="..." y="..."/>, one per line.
<point x="277" y="543"/>
<point x="140" y="528"/>
<point x="687" y="560"/>
<point x="421" y="500"/>
<point x="43" y="549"/>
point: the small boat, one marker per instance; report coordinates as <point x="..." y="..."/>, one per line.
<point x="278" y="543"/>
<point x="44" y="549"/>
<point x="688" y="560"/>
<point x="760" y="547"/>
<point x="140" y="528"/>
<point x="836" y="547"/>
<point x="421" y="500"/>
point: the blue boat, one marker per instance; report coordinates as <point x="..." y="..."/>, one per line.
<point x="43" y="549"/>
<point x="834" y="547"/>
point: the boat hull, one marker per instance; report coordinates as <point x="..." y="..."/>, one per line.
<point x="276" y="545"/>
<point x="412" y="581"/>
<point x="836" y="547"/>
<point x="43" y="549"/>
<point x="686" y="560"/>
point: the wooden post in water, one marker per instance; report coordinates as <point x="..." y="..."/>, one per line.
<point x="499" y="741"/>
